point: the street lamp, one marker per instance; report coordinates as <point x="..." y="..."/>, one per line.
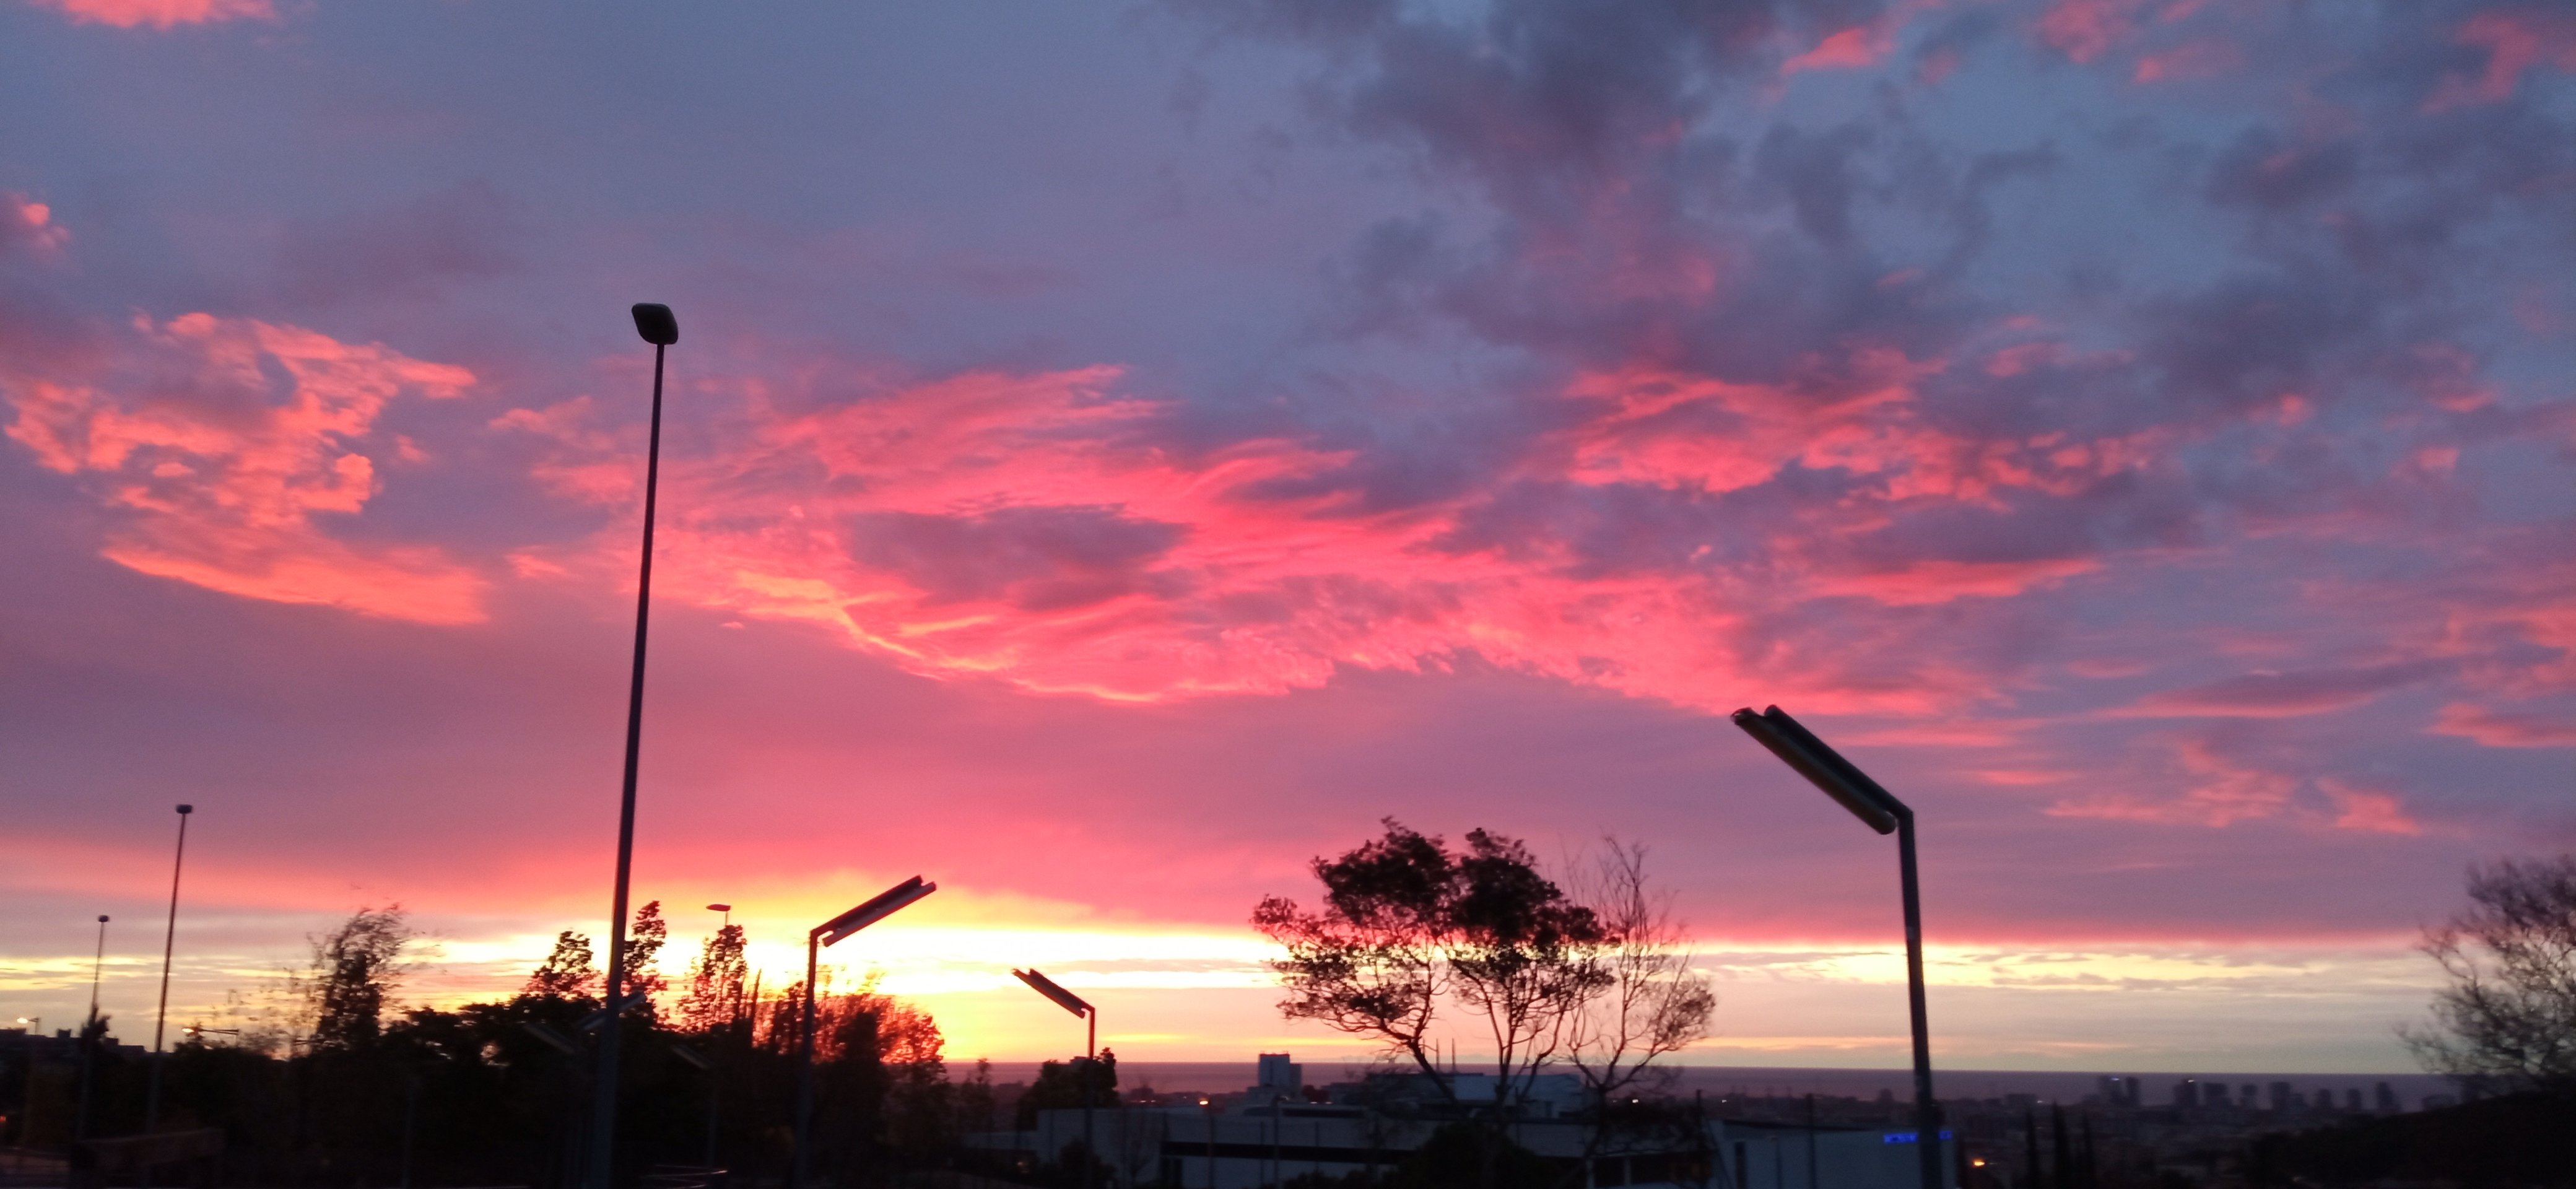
<point x="88" y="1044"/>
<point x="726" y="909"/>
<point x="658" y="327"/>
<point x="1090" y="1050"/>
<point x="27" y="1120"/>
<point x="169" y="939"/>
<point x="833" y="932"/>
<point x="1881" y="811"/>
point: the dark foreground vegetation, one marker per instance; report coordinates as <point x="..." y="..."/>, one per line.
<point x="2526" y="1139"/>
<point x="348" y="1093"/>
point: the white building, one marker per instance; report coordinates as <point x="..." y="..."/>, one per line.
<point x="1274" y="1135"/>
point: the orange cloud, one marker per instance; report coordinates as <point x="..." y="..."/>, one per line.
<point x="224" y="443"/>
<point x="161" y="14"/>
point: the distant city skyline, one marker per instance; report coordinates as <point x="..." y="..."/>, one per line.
<point x="1118" y="453"/>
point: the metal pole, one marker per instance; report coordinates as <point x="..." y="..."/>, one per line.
<point x="88" y="1044"/>
<point x="97" y="964"/>
<point x="805" y="1067"/>
<point x="603" y="1109"/>
<point x="1927" y="1110"/>
<point x="27" y="1116"/>
<point x="1090" y="1072"/>
<point x="169" y="939"/>
<point x="411" y="1120"/>
<point x="1811" y="1141"/>
<point x="711" y="1118"/>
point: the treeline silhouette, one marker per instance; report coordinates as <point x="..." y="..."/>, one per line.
<point x="350" y="1092"/>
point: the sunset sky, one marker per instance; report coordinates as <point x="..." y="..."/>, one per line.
<point x="1118" y="452"/>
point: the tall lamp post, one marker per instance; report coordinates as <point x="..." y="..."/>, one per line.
<point x="1090" y="1051"/>
<point x="657" y="326"/>
<point x="169" y="940"/>
<point x="88" y="1044"/>
<point x="832" y="932"/>
<point x="1881" y="811"/>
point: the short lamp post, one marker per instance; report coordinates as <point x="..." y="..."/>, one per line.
<point x="832" y="932"/>
<point x="1090" y="1052"/>
<point x="1881" y="811"/>
<point x="27" y="1118"/>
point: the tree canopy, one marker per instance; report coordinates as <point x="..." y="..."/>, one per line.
<point x="1407" y="924"/>
<point x="2508" y="1019"/>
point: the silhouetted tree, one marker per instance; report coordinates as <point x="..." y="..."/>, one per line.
<point x="354" y="972"/>
<point x="571" y="971"/>
<point x="715" y="998"/>
<point x="1060" y="1086"/>
<point x="1655" y="1005"/>
<point x="1406" y="923"/>
<point x="2508" y="1019"/>
<point x="644" y="940"/>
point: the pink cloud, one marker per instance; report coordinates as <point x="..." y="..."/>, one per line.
<point x="2206" y="57"/>
<point x="1850" y="49"/>
<point x="2366" y="811"/>
<point x="2493" y="728"/>
<point x="1942" y="581"/>
<point x="161" y="14"/>
<point x="24" y="221"/>
<point x="2085" y="29"/>
<point x="1031" y="527"/>
<point x="1858" y="414"/>
<point x="2280" y="695"/>
<point x="220" y="443"/>
<point x="2515" y="40"/>
<point x="2222" y="791"/>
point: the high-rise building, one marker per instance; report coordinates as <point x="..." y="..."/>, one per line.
<point x="2187" y="1093"/>
<point x="1281" y="1074"/>
<point x="2119" y="1091"/>
<point x="2352" y="1099"/>
<point x="2283" y="1099"/>
<point x="2387" y="1098"/>
<point x="2214" y="1094"/>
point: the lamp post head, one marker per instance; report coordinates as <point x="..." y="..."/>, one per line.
<point x="187" y="809"/>
<point x="1046" y="986"/>
<point x="1823" y="767"/>
<point x="102" y="918"/>
<point x="885" y="904"/>
<point x="720" y="908"/>
<point x="656" y="323"/>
